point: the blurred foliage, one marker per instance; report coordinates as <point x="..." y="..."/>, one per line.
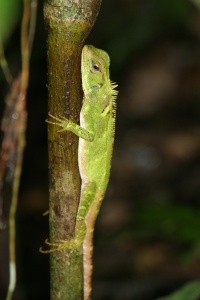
<point x="197" y="2"/>
<point x="190" y="291"/>
<point x="136" y="24"/>
<point x="10" y="11"/>
<point x="167" y="220"/>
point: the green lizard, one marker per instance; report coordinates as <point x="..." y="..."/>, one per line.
<point x="96" y="137"/>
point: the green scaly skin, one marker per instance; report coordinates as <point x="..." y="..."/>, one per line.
<point x="96" y="138"/>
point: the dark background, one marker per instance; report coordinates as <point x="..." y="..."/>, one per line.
<point x="147" y="240"/>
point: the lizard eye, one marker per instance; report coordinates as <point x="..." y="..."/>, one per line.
<point x="95" y="67"/>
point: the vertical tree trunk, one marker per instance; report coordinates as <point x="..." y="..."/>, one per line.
<point x="68" y="23"/>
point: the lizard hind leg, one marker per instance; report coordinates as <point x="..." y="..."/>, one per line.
<point x="88" y="191"/>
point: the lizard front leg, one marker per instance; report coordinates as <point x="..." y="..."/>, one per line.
<point x="68" y="125"/>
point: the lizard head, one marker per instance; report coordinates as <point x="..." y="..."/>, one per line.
<point x="95" y="69"/>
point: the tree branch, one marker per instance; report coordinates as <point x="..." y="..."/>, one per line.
<point x="68" y="24"/>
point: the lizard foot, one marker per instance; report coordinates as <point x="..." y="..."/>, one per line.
<point x="59" y="246"/>
<point x="59" y="121"/>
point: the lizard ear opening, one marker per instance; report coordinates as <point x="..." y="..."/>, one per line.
<point x="97" y="86"/>
<point x="94" y="87"/>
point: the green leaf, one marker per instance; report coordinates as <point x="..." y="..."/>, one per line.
<point x="9" y="16"/>
<point x="190" y="291"/>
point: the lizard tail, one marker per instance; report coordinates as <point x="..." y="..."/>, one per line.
<point x="87" y="263"/>
<point x="88" y="243"/>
